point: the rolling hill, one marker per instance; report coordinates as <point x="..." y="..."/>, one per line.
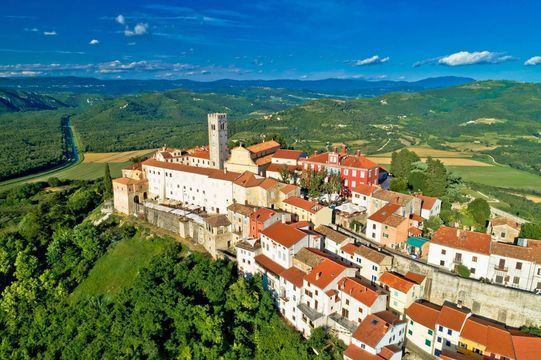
<point x="18" y="100"/>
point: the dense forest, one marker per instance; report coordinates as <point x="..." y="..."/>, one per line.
<point x="181" y="305"/>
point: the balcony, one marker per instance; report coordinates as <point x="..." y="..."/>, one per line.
<point x="457" y="261"/>
<point x="500" y="268"/>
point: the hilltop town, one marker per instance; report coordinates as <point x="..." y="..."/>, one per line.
<point x="356" y="258"/>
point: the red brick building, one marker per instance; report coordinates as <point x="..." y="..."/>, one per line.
<point x="354" y="170"/>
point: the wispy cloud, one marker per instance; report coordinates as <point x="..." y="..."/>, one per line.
<point x="533" y="61"/>
<point x="373" y="60"/>
<point x="31" y="29"/>
<point x="71" y="52"/>
<point x="94" y="42"/>
<point x="4" y="74"/>
<point x="468" y="58"/>
<point x="50" y="33"/>
<point x="139" y="29"/>
<point x="120" y="19"/>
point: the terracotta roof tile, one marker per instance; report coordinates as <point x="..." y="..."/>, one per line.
<point x="356" y="353"/>
<point x="262" y="214"/>
<point x="427" y="201"/>
<point x="452" y="317"/>
<point x="359" y="291"/>
<point x="264" y="160"/>
<point x="241" y="209"/>
<point x="461" y="239"/>
<point x="280" y="167"/>
<point x="424" y="313"/>
<point x="365" y="252"/>
<point x="396" y="281"/>
<point x="267" y="183"/>
<point x="268" y="264"/>
<point x="527" y="347"/>
<point x="505" y="221"/>
<point x="310" y="206"/>
<point x="331" y="234"/>
<point x="177" y="167"/>
<point x="386" y="216"/>
<point x="247" y="179"/>
<point x="324" y="273"/>
<point x="128" y="181"/>
<point x="288" y="154"/>
<point x="288" y="188"/>
<point x="264" y="146"/>
<point x="513" y="251"/>
<point x="416" y="278"/>
<point x="217" y="220"/>
<point x="365" y="189"/>
<point x="415" y="231"/>
<point x="284" y="234"/>
<point x="374" y="327"/>
<point x="393" y="197"/>
<point x="294" y="276"/>
<point x="499" y="342"/>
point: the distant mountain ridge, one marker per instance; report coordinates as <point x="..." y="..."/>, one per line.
<point x="325" y="87"/>
<point x="17" y="100"/>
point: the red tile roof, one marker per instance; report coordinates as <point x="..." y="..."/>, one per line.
<point x="288" y="154"/>
<point x="388" y="351"/>
<point x="505" y="221"/>
<point x="513" y="251"/>
<point x="128" y="181"/>
<point x="415" y="231"/>
<point x="135" y="166"/>
<point x="284" y="234"/>
<point x="178" y="167"/>
<point x="417" y="218"/>
<point x="288" y="188"/>
<point x="527" y="347"/>
<point x="280" y="167"/>
<point x="374" y="327"/>
<point x="452" y="317"/>
<point x="264" y="146"/>
<point x="499" y="342"/>
<point x="264" y="160"/>
<point x="324" y="273"/>
<point x="331" y="234"/>
<point x="365" y="189"/>
<point x="427" y="201"/>
<point x="247" y="179"/>
<point x="357" y="290"/>
<point x="262" y="214"/>
<point x="396" y="281"/>
<point x="424" y="313"/>
<point x="462" y="239"/>
<point x="294" y="276"/>
<point x="268" y="264"/>
<point x="352" y="161"/>
<point x="310" y="206"/>
<point x="416" y="278"/>
<point x="386" y="216"/>
<point x="365" y="252"/>
<point x="356" y="353"/>
<point x="267" y="183"/>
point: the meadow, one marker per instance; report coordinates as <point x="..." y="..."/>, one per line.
<point x="118" y="268"/>
<point x="500" y="176"/>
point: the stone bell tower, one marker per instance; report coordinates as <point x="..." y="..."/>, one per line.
<point x="218" y="151"/>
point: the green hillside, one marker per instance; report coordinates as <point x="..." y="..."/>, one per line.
<point x="17" y="100"/>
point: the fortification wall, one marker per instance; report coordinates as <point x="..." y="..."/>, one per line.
<point x="162" y="219"/>
<point x="508" y="305"/>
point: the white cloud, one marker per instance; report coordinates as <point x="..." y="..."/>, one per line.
<point x="94" y="42"/>
<point x="139" y="29"/>
<point x="31" y="29"/>
<point x="471" y="58"/>
<point x="49" y="33"/>
<point x="374" y="60"/>
<point x="533" y="60"/>
<point x="19" y="73"/>
<point x="120" y="19"/>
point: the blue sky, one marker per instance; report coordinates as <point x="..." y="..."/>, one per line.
<point x="208" y="40"/>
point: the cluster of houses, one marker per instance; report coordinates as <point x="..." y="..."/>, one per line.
<point x="236" y="204"/>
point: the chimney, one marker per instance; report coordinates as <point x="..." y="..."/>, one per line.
<point x="358" y="153"/>
<point x="318" y="275"/>
<point x="457" y="232"/>
<point x="315" y="152"/>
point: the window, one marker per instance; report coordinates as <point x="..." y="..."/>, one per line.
<point x="385" y="235"/>
<point x="374" y="226"/>
<point x="411" y="322"/>
<point x="345" y="313"/>
<point x="518" y="266"/>
<point x="472" y="270"/>
<point x="347" y="301"/>
<point x="449" y="332"/>
<point x="361" y="310"/>
<point x="443" y="251"/>
<point x="442" y="263"/>
<point x="345" y="171"/>
<point x="516" y="280"/>
<point x="447" y="343"/>
<point x="353" y="173"/>
<point x="440" y="328"/>
<point x="308" y="293"/>
<point x="439" y="339"/>
<point x="353" y="183"/>
<point x="410" y="332"/>
<point x="499" y="279"/>
<point x="474" y="259"/>
<point x="428" y="342"/>
<point x="430" y="332"/>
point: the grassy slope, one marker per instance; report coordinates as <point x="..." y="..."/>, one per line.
<point x="118" y="268"/>
<point x="501" y="176"/>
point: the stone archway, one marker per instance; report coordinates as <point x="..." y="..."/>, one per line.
<point x="136" y="199"/>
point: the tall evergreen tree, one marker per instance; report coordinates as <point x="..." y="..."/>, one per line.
<point x="107" y="181"/>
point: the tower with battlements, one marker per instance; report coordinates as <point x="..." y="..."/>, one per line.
<point x="218" y="152"/>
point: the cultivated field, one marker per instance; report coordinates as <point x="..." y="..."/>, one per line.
<point x="118" y="268"/>
<point x="501" y="176"/>
<point x="424" y="151"/>
<point x="452" y="161"/>
<point x="115" y="157"/>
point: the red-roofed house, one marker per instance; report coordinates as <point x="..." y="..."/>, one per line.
<point x="403" y="290"/>
<point x="280" y="242"/>
<point x="255" y="158"/>
<point x="359" y="299"/>
<point x="353" y="169"/>
<point x="387" y="227"/>
<point x="422" y="317"/>
<point x="286" y="158"/>
<point x="261" y="219"/>
<point x="372" y="263"/>
<point x="306" y="210"/>
<point x="430" y="206"/>
<point x="374" y="336"/>
<point x="452" y="247"/>
<point x="448" y="327"/>
<point x="485" y="340"/>
<point x="320" y="298"/>
<point x="527" y="347"/>
<point x="362" y="193"/>
<point x="290" y="293"/>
